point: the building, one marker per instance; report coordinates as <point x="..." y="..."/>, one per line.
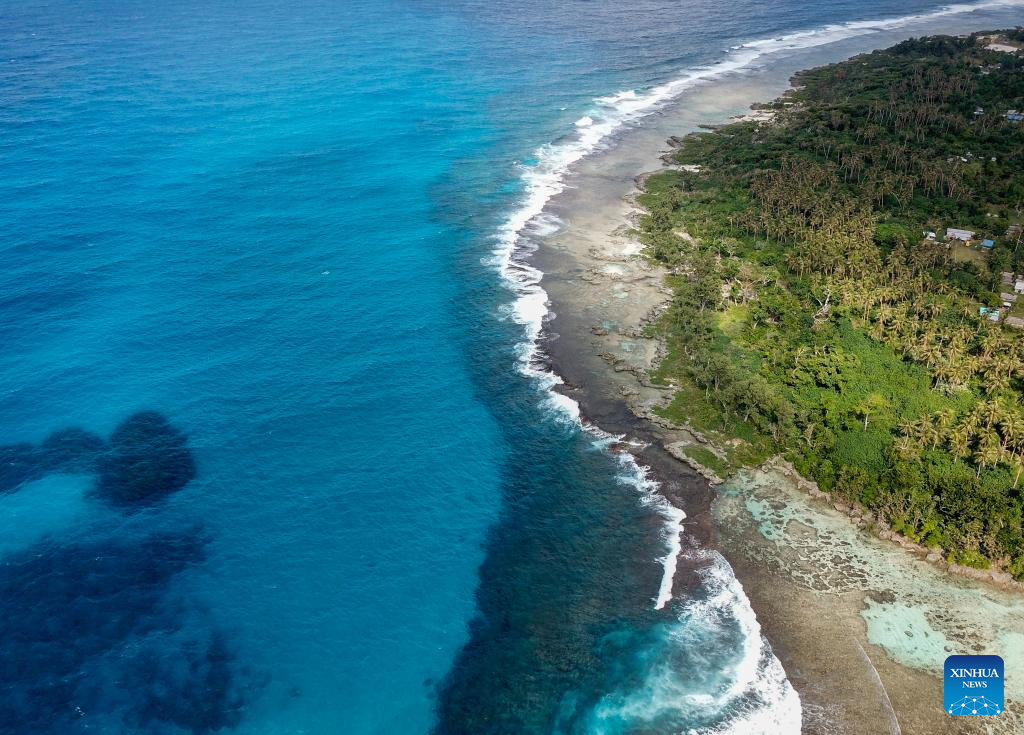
<point x="1005" y="48"/>
<point x="929" y="235"/>
<point x="1013" y="230"/>
<point x="1014" y="115"/>
<point x="1018" y="286"/>
<point x="1007" y="298"/>
<point x="1015" y="321"/>
<point x="988" y="244"/>
<point x="953" y="233"/>
<point x="1007" y="278"/>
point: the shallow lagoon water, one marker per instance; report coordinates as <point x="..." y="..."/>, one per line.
<point x="916" y="612"/>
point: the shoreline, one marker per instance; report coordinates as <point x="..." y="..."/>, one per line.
<point x="601" y="295"/>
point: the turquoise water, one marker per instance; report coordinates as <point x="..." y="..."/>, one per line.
<point x="269" y="227"/>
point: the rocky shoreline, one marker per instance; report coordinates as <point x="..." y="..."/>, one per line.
<point x="866" y="520"/>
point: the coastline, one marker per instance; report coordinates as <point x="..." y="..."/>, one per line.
<point x="836" y="633"/>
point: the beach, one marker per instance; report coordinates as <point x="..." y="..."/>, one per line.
<point x="860" y="625"/>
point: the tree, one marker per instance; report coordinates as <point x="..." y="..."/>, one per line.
<point x="872" y="404"/>
<point x="989" y="451"/>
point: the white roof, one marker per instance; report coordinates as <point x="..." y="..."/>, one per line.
<point x="1002" y="47"/>
<point x="959" y="234"/>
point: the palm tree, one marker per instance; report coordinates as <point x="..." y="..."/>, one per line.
<point x="944" y="419"/>
<point x="997" y="382"/>
<point x="944" y="374"/>
<point x="1004" y="364"/>
<point x="990" y="343"/>
<point x="1011" y="426"/>
<point x="960" y="443"/>
<point x="929" y="433"/>
<point x="988" y="452"/>
<point x="907" y="448"/>
<point x="1018" y="463"/>
<point x="991" y="412"/>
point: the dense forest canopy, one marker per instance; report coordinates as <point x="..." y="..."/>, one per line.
<point x="815" y="315"/>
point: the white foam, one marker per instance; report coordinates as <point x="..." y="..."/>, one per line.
<point x="585" y="122"/>
<point x="758" y="673"/>
<point x="713" y="665"/>
<point x="639" y="478"/>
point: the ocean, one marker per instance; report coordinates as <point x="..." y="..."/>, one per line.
<point x="279" y="448"/>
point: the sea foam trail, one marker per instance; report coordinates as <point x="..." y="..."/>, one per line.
<point x="759" y="673"/>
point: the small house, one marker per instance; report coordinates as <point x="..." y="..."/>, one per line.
<point x="1018" y="286"/>
<point x="929" y="235"/>
<point x="1008" y="298"/>
<point x="1013" y="230"/>
<point x="1015" y="321"/>
<point x="954" y="233"/>
<point x="988" y="244"/>
<point x="1014" y="115"/>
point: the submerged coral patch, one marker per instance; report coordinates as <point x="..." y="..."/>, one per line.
<point x="81" y="621"/>
<point x="146" y="459"/>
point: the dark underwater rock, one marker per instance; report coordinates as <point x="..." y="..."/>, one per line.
<point x="146" y="459"/>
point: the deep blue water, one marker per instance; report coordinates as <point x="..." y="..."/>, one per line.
<point x="266" y="225"/>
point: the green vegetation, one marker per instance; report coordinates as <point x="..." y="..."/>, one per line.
<point x="811" y="315"/>
<point x="707" y="458"/>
